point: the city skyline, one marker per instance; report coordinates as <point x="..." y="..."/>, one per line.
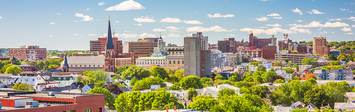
<point x="58" y="25"/>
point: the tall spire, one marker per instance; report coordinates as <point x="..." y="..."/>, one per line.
<point x="109" y="43"/>
<point x="65" y="65"/>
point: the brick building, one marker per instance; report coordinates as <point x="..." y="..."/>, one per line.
<point x="251" y="52"/>
<point x="100" y="44"/>
<point x="269" y="52"/>
<point x="297" y="58"/>
<point x="258" y="42"/>
<point x="227" y="45"/>
<point x="16" y="101"/>
<point x="320" y="46"/>
<point x="28" y="52"/>
<point x="141" y="47"/>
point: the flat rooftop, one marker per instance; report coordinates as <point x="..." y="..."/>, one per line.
<point x="41" y="94"/>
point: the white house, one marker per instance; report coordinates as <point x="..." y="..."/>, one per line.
<point x="181" y="94"/>
<point x="236" y="89"/>
<point x="168" y="85"/>
<point x="284" y="74"/>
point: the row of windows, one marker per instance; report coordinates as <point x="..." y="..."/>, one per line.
<point x="178" y="62"/>
<point x="85" y="66"/>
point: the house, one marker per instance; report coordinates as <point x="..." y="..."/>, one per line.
<point x="79" y="85"/>
<point x="87" y="88"/>
<point x="236" y="89"/>
<point x="65" y="80"/>
<point x="252" y="68"/>
<point x="213" y="91"/>
<point x="350" y="95"/>
<point x="311" y="107"/>
<point x="154" y="87"/>
<point x="282" y="109"/>
<point x="304" y="67"/>
<point x="70" y="89"/>
<point x="284" y="74"/>
<point x="181" y="94"/>
<point x="168" y="85"/>
<point x="340" y="106"/>
<point x="46" y="81"/>
<point x="297" y="105"/>
<point x="125" y="89"/>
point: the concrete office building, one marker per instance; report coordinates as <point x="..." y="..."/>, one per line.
<point x="292" y="57"/>
<point x="227" y="45"/>
<point x="197" y="61"/>
<point x="142" y="46"/>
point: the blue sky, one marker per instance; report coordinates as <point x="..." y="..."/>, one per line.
<point x="69" y="24"/>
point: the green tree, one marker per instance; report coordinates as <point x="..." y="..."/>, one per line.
<point x="261" y="91"/>
<point x="23" y="86"/>
<point x="191" y="81"/>
<point x="277" y="63"/>
<point x="203" y="103"/>
<point x="135" y="71"/>
<point x="40" y="65"/>
<point x="109" y="98"/>
<point x="173" y="79"/>
<point x="100" y="84"/>
<point x="158" y="72"/>
<point x="145" y="83"/>
<point x="133" y="81"/>
<point x="175" y="86"/>
<point x="192" y="93"/>
<point x="310" y="61"/>
<point x="335" y="62"/>
<point x="286" y="60"/>
<point x="179" y="74"/>
<point x="94" y="76"/>
<point x="114" y="89"/>
<point x="225" y="92"/>
<point x="279" y="81"/>
<point x="317" y="96"/>
<point x="261" y="68"/>
<point x="206" y="81"/>
<point x="268" y="76"/>
<point x="289" y="70"/>
<point x="13" y="69"/>
<point x="220" y="77"/>
<point x="236" y="103"/>
<point x="233" y="78"/>
<point x="121" y="69"/>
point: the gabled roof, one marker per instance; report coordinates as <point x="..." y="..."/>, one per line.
<point x="78" y="84"/>
<point x="92" y="86"/>
<point x="124" y="89"/>
<point x="68" y="88"/>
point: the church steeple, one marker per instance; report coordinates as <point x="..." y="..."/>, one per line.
<point x="109" y="42"/>
<point x="65" y="66"/>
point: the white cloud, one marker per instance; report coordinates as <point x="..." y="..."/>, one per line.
<point x="50" y="35"/>
<point x="52" y="23"/>
<point x="144" y="19"/>
<point x="263" y="27"/>
<point x="117" y="21"/>
<point x="314" y="11"/>
<point x="351" y="18"/>
<point x="158" y="30"/>
<point x="174" y="35"/>
<point x="75" y="21"/>
<point x="126" y="5"/>
<point x="262" y="18"/>
<point x="218" y="15"/>
<point x="101" y="3"/>
<point x="299" y="20"/>
<point x="324" y="32"/>
<point x="138" y="24"/>
<point x="273" y="14"/>
<point x="346" y="29"/>
<point x="58" y="13"/>
<point x="318" y="24"/>
<point x="87" y="9"/>
<point x="344" y="9"/>
<point x="277" y="17"/>
<point x="170" y="20"/>
<point x="353" y="26"/>
<point x="202" y="29"/>
<point x="331" y="19"/>
<point x="230" y="35"/>
<point x="147" y="35"/>
<point x="276" y="30"/>
<point x="172" y="29"/>
<point x="124" y="35"/>
<point x="192" y="22"/>
<point x="85" y="17"/>
<point x="349" y="33"/>
<point x="297" y="11"/>
<point x="274" y="25"/>
<point x="91" y="34"/>
<point x="75" y="34"/>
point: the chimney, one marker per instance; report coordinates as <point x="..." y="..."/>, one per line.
<point x="167" y="109"/>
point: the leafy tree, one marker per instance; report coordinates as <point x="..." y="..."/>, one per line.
<point x="225" y="92"/>
<point x="261" y="91"/>
<point x="94" y="76"/>
<point x="171" y="72"/>
<point x="277" y="63"/>
<point x="173" y="79"/>
<point x="23" y="86"/>
<point x="179" y="74"/>
<point x="145" y="83"/>
<point x="133" y="81"/>
<point x="192" y="93"/>
<point x="289" y="70"/>
<point x="153" y="100"/>
<point x="279" y="81"/>
<point x="335" y="62"/>
<point x="175" y="86"/>
<point x="13" y="69"/>
<point x="203" y="103"/>
<point x="109" y="98"/>
<point x="316" y="96"/>
<point x="113" y="88"/>
<point x="191" y="81"/>
<point x="135" y="71"/>
<point x="310" y="61"/>
<point x="246" y="60"/>
<point x="224" y="82"/>
<point x="236" y="103"/>
<point x="212" y="76"/>
<point x="40" y="65"/>
<point x="166" y="79"/>
<point x="158" y="72"/>
<point x="261" y="68"/>
<point x="268" y="76"/>
<point x="207" y="81"/>
<point x="121" y="69"/>
<point x="220" y="77"/>
<point x="233" y="78"/>
<point x="116" y="77"/>
<point x="100" y="84"/>
<point x="286" y="60"/>
<point x="300" y="110"/>
<point x="241" y="84"/>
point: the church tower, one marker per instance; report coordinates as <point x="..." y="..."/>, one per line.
<point x="110" y="54"/>
<point x="65" y="67"/>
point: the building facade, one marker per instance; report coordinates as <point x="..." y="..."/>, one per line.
<point x="251" y="52"/>
<point x="141" y="47"/>
<point x="174" y="50"/>
<point x="227" y="45"/>
<point x="320" y="46"/>
<point x="100" y="44"/>
<point x="28" y="52"/>
<point x="334" y="74"/>
<point x="297" y="58"/>
<point x="258" y="42"/>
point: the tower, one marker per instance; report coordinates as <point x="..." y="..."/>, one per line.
<point x="109" y="51"/>
<point x="65" y="67"/>
<point x="13" y="60"/>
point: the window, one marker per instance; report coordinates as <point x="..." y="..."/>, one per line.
<point x="182" y="62"/>
<point x="178" y="62"/>
<point x="169" y="62"/>
<point x="100" y="109"/>
<point x="174" y="62"/>
<point x="72" y="111"/>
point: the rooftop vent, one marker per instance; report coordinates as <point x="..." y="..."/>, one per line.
<point x="31" y="104"/>
<point x="51" y="94"/>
